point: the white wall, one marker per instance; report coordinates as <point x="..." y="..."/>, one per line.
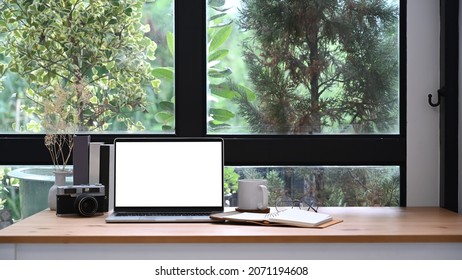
<point x="422" y="120"/>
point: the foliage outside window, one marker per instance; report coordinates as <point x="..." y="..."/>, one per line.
<point x="303" y="67"/>
<point x="97" y="53"/>
<point x="9" y="193"/>
<point x="331" y="186"/>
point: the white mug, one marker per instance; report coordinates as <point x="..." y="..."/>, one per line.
<point x="252" y="194"/>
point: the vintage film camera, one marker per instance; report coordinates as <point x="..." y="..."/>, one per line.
<point x="84" y="200"/>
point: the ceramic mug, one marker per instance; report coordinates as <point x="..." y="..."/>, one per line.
<point x="252" y="194"/>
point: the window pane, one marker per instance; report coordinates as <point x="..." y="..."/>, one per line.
<point x="24" y="189"/>
<point x="303" y="67"/>
<point x="330" y="186"/>
<point x="91" y="66"/>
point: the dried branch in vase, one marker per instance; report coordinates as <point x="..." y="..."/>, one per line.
<point x="61" y="120"/>
<point x="60" y="147"/>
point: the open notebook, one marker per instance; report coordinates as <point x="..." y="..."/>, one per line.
<point x="289" y="217"/>
<point x="167" y="179"/>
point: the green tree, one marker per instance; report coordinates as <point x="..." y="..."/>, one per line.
<point x="95" y="50"/>
<point x="361" y="187"/>
<point x="219" y="29"/>
<point x="159" y="16"/>
<point x="320" y="64"/>
<point x="230" y="180"/>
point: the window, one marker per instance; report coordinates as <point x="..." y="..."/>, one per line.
<point x="324" y="74"/>
<point x="303" y="67"/>
<point x="297" y="83"/>
<point x="329" y="185"/>
<point x="274" y="153"/>
<point x="84" y="67"/>
<point x="87" y="66"/>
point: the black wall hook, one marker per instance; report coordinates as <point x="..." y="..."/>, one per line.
<point x="441" y="93"/>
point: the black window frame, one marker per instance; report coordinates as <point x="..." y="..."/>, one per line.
<point x="243" y="150"/>
<point x="449" y="108"/>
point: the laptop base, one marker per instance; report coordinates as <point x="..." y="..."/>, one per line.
<point x="114" y="218"/>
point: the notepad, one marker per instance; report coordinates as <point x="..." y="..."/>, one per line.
<point x="292" y="217"/>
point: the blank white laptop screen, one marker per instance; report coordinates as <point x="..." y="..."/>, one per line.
<point x="169" y="174"/>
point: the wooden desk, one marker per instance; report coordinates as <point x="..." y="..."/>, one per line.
<point x="397" y="233"/>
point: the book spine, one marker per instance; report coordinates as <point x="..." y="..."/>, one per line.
<point x="94" y="163"/>
<point x="106" y="174"/>
<point x="80" y="159"/>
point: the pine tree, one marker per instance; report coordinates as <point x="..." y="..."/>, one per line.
<point x="321" y="64"/>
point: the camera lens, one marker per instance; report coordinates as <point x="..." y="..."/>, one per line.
<point x="86" y="205"/>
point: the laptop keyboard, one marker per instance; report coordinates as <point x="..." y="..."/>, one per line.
<point x="138" y="214"/>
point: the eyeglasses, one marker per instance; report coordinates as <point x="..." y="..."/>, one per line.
<point x="305" y="202"/>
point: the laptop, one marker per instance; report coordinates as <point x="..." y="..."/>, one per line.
<point x="167" y="179"/>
